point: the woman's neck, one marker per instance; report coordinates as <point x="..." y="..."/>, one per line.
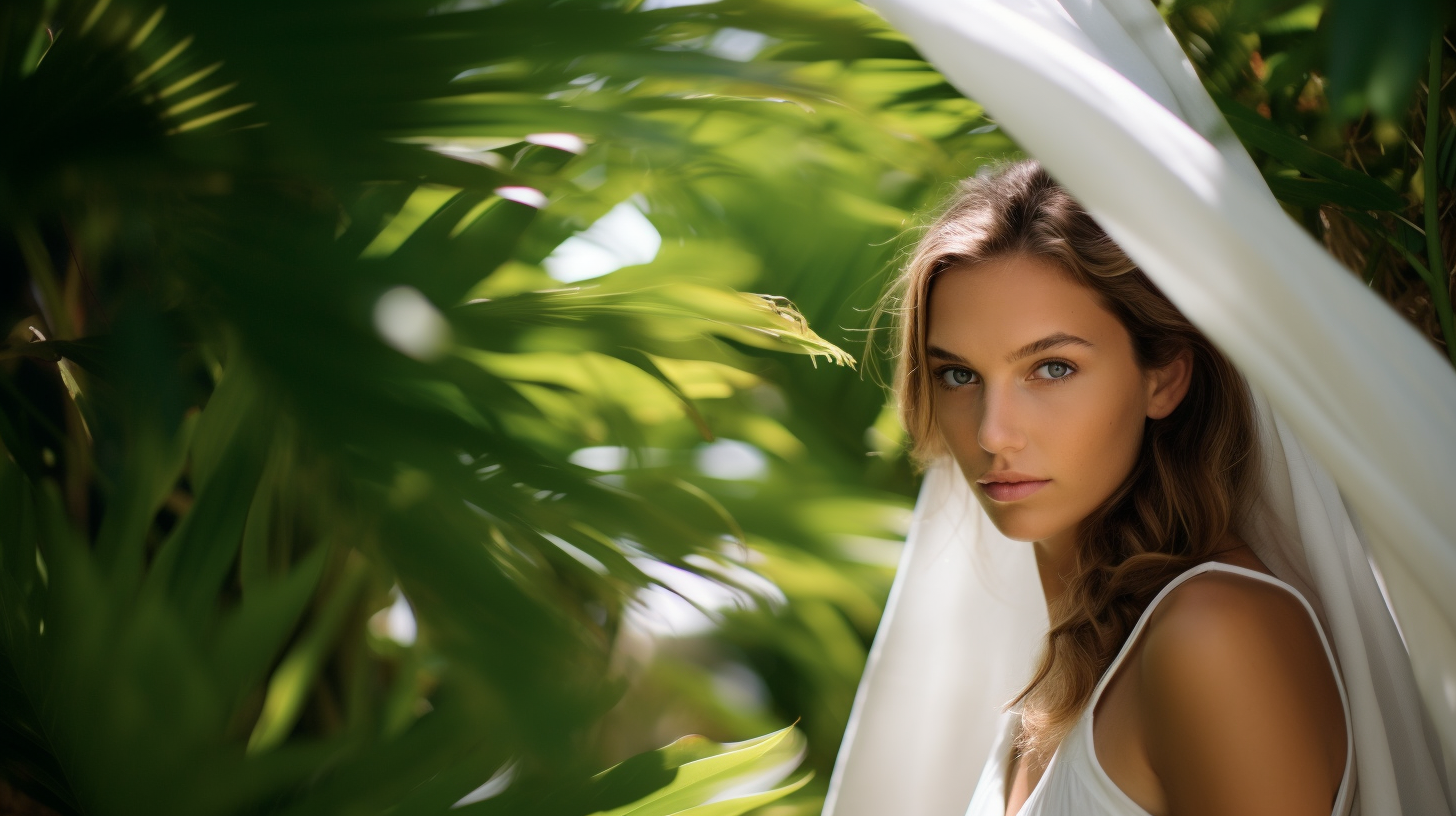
<point x="1056" y="559"/>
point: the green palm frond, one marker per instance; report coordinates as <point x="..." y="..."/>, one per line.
<point x="301" y="366"/>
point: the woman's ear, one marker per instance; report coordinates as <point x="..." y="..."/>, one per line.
<point x="1167" y="386"/>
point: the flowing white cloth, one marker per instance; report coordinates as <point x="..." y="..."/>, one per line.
<point x="1101" y="94"/>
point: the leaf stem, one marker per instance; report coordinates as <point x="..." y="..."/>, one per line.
<point x="1430" y="278"/>
<point x="37" y="261"/>
<point x="1436" y="276"/>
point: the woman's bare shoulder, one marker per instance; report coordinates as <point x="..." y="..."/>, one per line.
<point x="1239" y="699"/>
<point x="1220" y="610"/>
<point x="1231" y="638"/>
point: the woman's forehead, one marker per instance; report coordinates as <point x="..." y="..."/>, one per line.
<point x="994" y="308"/>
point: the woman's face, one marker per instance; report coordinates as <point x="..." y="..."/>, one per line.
<point x="1037" y="393"/>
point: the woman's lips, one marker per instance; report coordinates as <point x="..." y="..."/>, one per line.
<point x="1012" y="491"/>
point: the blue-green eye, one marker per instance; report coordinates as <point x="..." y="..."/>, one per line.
<point x="1054" y="370"/>
<point x="957" y="377"/>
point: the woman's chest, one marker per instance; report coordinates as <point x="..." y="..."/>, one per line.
<point x="1119" y="747"/>
<point x="1105" y="750"/>
<point x="1023" y="778"/>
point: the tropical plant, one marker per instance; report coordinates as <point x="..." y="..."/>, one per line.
<point x="296" y="518"/>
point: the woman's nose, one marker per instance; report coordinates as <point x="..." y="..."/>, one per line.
<point x="1000" y="429"/>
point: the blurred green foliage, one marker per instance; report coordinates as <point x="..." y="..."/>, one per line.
<point x="300" y="505"/>
<point x="384" y="383"/>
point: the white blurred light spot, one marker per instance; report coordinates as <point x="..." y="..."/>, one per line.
<point x="660" y="612"/>
<point x="622" y="237"/>
<point x="731" y="460"/>
<point x="605" y="458"/>
<point x="470" y="153"/>
<point x="494" y="786"/>
<point x="529" y="196"/>
<point x="737" y="44"/>
<point x="677" y="608"/>
<point x="395" y="622"/>
<point x="610" y="458"/>
<point x="570" y="142"/>
<point x="411" y="324"/>
<point x="654" y="5"/>
<point x="613" y="480"/>
<point x="743" y="577"/>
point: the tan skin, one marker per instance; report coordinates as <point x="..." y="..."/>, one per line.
<point x="1226" y="704"/>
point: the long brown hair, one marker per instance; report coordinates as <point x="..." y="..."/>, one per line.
<point x="1195" y="470"/>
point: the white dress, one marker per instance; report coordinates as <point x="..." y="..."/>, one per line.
<point x="1074" y="783"/>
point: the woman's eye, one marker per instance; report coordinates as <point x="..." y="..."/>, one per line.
<point x="957" y="377"/>
<point x="1054" y="370"/>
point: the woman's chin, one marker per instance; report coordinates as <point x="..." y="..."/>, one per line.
<point x="1017" y="532"/>
<point x="1019" y="525"/>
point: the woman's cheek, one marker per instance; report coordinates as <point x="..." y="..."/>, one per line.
<point x="1105" y="445"/>
<point x="958" y="423"/>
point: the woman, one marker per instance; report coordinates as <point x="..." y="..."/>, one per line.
<point x="1352" y="408"/>
<point x="1093" y="421"/>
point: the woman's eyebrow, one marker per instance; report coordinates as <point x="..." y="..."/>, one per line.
<point x="937" y="351"/>
<point x="1047" y="343"/>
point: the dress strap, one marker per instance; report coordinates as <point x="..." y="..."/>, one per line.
<point x="1343" y="801"/>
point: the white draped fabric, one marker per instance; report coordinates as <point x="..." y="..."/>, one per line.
<point x="1356" y="408"/>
